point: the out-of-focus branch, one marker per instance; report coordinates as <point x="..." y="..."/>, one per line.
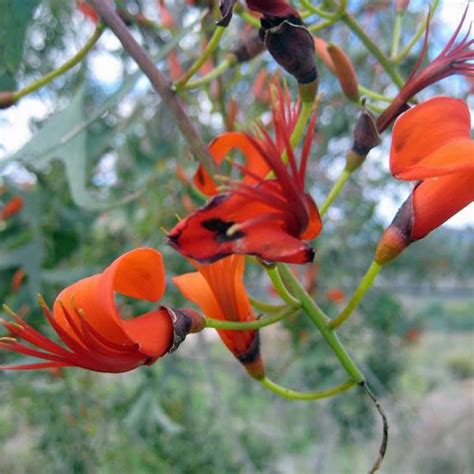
<point x="158" y="81"/>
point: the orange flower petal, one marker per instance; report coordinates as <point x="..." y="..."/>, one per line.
<point x="219" y="291"/>
<point x="219" y="148"/>
<point x="432" y="139"/>
<point x="138" y="274"/>
<point x="435" y="200"/>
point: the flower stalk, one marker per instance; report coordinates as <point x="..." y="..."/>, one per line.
<point x="210" y="48"/>
<point x="296" y="395"/>
<point x="364" y="285"/>
<point x="69" y="64"/>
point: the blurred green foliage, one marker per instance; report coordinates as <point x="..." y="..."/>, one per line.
<point x="98" y="178"/>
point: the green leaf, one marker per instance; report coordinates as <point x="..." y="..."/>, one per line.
<point x="14" y="20"/>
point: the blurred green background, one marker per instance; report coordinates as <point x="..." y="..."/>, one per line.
<point x="93" y="155"/>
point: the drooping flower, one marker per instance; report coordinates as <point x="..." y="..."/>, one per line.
<point x="431" y="142"/>
<point x="267" y="218"/>
<point x="94" y="335"/>
<point x="219" y="291"/>
<point x="455" y="58"/>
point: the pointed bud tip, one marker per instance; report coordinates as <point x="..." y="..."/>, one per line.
<point x="390" y="246"/>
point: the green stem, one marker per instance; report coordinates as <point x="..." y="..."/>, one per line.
<point x="280" y="287"/>
<point x="334" y="193"/>
<point x="364" y="285"/>
<point x="374" y="95"/>
<point x="216" y="72"/>
<point x="397" y="30"/>
<point x="321" y="25"/>
<point x="210" y="48"/>
<point x="320" y="320"/>
<point x="266" y="307"/>
<point x="357" y="29"/>
<point x="294" y="395"/>
<point x="303" y="117"/>
<point x="421" y="29"/>
<point x="241" y="326"/>
<point x="76" y="59"/>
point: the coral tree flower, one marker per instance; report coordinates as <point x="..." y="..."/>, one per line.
<point x="94" y="334"/>
<point x="270" y="219"/>
<point x="455" y="58"/>
<point x="219" y="291"/>
<point x="431" y="142"/>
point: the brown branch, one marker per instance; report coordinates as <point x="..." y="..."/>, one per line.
<point x="158" y="81"/>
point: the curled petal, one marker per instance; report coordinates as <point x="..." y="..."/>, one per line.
<point x="432" y="139"/>
<point x="137" y="274"/>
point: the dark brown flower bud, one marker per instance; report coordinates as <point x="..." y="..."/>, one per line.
<point x="248" y="49"/>
<point x="291" y="45"/>
<point x="7" y="99"/>
<point x="184" y="321"/>
<point x="365" y="135"/>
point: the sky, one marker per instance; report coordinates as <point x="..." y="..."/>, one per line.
<point x="107" y="70"/>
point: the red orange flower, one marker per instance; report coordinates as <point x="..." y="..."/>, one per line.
<point x="431" y="142"/>
<point x="219" y="291"/>
<point x="267" y="218"/>
<point x="94" y="334"/>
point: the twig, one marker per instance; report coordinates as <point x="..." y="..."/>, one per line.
<point x="383" y="444"/>
<point x="158" y="81"/>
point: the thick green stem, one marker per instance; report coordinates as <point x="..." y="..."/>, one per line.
<point x="241" y="326"/>
<point x="280" y="287"/>
<point x="385" y="62"/>
<point x="320" y="320"/>
<point x="76" y="59"/>
<point x="359" y="293"/>
<point x="210" y="48"/>
<point x="397" y="30"/>
<point x="334" y="193"/>
<point x="294" y="395"/>
<point x="214" y="74"/>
